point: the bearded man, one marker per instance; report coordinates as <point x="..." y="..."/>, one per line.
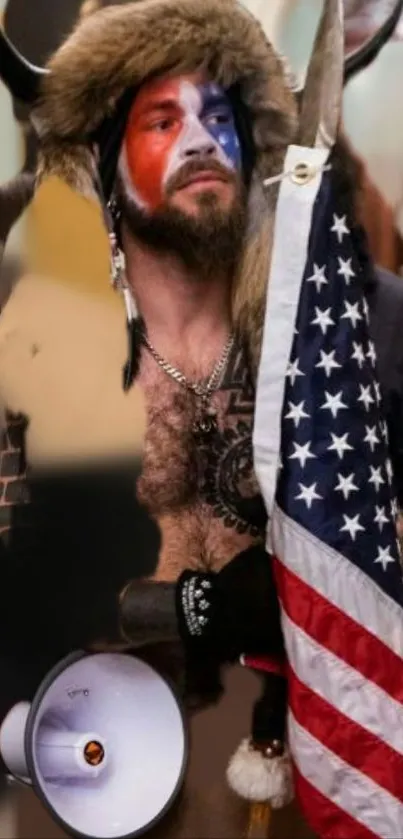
<point x="182" y="201"/>
<point x="177" y="149"/>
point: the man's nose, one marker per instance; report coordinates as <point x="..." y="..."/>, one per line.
<point x="201" y="148"/>
<point x="197" y="141"/>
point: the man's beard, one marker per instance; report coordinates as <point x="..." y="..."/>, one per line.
<point x="206" y="242"/>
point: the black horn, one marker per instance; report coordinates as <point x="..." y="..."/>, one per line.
<point x="365" y="55"/>
<point x="22" y="78"/>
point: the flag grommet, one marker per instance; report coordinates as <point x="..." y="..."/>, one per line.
<point x="303" y="173"/>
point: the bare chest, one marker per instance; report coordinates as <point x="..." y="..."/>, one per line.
<point x="201" y="489"/>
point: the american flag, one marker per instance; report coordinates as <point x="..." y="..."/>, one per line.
<point x="337" y="561"/>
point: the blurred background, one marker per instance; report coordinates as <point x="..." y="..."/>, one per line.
<point x="372" y="123"/>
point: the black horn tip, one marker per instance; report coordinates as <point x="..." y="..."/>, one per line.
<point x="22" y="79"/>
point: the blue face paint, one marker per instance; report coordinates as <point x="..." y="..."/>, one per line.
<point x="217" y="117"/>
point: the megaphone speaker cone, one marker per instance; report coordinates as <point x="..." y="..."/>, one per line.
<point x="105" y="745"/>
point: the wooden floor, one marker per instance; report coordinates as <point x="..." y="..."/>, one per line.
<point x="206" y="810"/>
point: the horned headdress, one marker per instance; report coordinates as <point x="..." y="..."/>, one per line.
<point x="75" y="347"/>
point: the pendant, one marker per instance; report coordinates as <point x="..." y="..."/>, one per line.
<point x="206" y="424"/>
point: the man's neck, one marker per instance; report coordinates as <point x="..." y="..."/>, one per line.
<point x="178" y="309"/>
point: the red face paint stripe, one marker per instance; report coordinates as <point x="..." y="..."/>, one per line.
<point x="147" y="148"/>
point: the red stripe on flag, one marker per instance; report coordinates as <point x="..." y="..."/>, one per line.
<point x="334" y="630"/>
<point x="355" y="745"/>
<point x="324" y="817"/>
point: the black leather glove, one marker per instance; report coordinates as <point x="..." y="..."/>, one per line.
<point x="232" y="612"/>
<point x="219" y="615"/>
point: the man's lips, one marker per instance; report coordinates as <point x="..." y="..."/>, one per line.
<point x="204" y="177"/>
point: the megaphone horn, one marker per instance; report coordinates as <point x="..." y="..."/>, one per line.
<point x="103" y="730"/>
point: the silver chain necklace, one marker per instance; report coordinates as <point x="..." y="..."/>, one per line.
<point x="206" y="421"/>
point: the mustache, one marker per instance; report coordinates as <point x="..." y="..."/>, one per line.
<point x="196" y="167"/>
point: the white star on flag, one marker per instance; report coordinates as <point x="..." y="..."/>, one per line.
<point x="346" y="485"/>
<point x="380" y="518"/>
<point x="327" y="362"/>
<point x="365" y="397"/>
<point x="358" y="354"/>
<point x="365" y="309"/>
<point x="296" y="413"/>
<point x="318" y="277"/>
<point x="352" y="526"/>
<point x="384" y="558"/>
<point x="308" y="494"/>
<point x="302" y="453"/>
<point x="394" y="508"/>
<point x="345" y="270"/>
<point x="384" y="431"/>
<point x="352" y="313"/>
<point x="293" y="371"/>
<point x="333" y="403"/>
<point x="376" y="477"/>
<point x="377" y="390"/>
<point x="322" y="319"/>
<point x="371" y="354"/>
<point x="339" y="444"/>
<point x="371" y="437"/>
<point x="389" y="471"/>
<point x="339" y="227"/>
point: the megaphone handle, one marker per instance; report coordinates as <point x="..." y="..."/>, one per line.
<point x="259" y="820"/>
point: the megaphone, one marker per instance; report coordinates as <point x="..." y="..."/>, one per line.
<point x="103" y="744"/>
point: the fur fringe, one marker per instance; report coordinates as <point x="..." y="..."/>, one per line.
<point x="256" y="778"/>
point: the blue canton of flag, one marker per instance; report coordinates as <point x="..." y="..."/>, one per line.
<point x="336" y="477"/>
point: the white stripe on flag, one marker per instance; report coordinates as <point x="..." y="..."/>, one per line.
<point x="348" y="789"/>
<point x="292" y="227"/>
<point x="343" y="687"/>
<point x="337" y="580"/>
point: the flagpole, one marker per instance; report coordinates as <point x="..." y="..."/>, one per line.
<point x="259" y="820"/>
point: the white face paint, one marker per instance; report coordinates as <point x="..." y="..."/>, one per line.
<point x="195" y="138"/>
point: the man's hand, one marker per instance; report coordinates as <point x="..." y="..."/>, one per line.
<point x="220" y="615"/>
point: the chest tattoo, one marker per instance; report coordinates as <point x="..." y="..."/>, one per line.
<point x="238" y="386"/>
<point x="227" y="480"/>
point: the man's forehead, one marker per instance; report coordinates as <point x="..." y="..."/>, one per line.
<point x="168" y="88"/>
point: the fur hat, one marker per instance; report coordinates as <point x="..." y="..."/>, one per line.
<point x="111" y="51"/>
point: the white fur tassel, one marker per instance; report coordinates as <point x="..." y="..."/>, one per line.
<point x="257" y="778"/>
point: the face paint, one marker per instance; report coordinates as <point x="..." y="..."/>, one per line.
<point x="172" y="122"/>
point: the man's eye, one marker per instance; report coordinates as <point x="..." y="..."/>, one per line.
<point x="219" y="119"/>
<point x="162" y="124"/>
